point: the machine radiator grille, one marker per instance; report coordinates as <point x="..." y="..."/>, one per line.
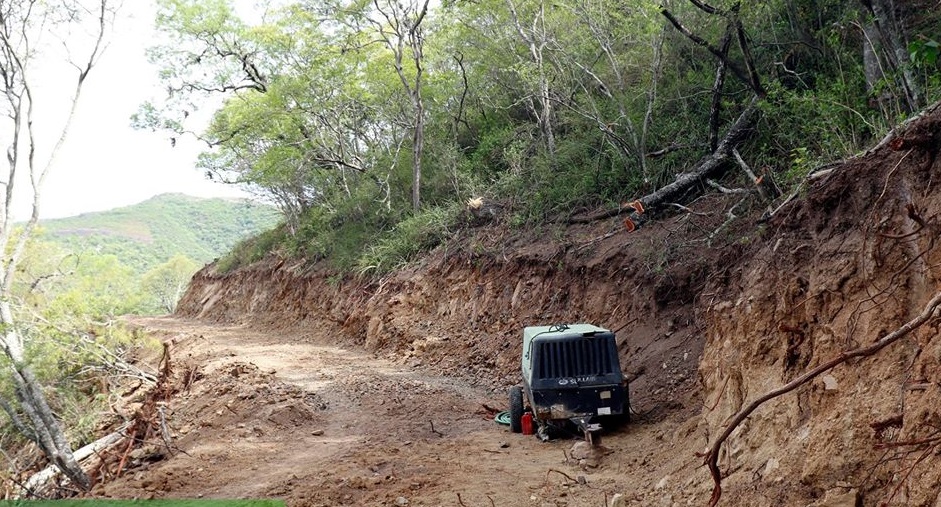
<point x="575" y="358"/>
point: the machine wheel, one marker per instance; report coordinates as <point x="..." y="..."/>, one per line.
<point x="516" y="409"/>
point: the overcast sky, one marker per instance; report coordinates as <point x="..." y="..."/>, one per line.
<point x="106" y="163"/>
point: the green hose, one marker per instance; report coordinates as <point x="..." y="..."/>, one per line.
<point x="502" y="418"/>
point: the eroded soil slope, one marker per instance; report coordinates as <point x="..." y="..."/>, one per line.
<point x="461" y="310"/>
<point x="843" y="267"/>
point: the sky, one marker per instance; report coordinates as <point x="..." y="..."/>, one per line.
<point x="105" y="163"/>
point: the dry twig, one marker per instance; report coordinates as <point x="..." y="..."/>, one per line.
<point x="567" y="476"/>
<point x="433" y="430"/>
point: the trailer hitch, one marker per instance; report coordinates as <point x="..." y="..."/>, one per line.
<point x="591" y="431"/>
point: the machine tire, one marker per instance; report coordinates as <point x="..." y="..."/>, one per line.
<point x="627" y="403"/>
<point x="516" y="409"/>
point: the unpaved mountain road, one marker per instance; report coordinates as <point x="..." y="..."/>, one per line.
<point x="264" y="413"/>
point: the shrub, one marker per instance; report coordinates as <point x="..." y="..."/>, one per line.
<point x="409" y="238"/>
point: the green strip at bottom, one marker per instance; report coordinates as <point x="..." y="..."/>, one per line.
<point x="102" y="502"/>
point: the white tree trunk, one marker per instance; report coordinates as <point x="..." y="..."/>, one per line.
<point x="41" y="478"/>
<point x="23" y="24"/>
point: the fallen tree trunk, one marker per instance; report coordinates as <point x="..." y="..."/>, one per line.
<point x="39" y="480"/>
<point x="709" y="166"/>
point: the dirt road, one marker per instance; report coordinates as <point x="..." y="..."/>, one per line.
<point x="291" y="415"/>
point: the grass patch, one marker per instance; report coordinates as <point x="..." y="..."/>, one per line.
<point x="411" y="237"/>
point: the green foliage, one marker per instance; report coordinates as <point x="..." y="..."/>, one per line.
<point x="72" y="356"/>
<point x="341" y="235"/>
<point x="134" y="260"/>
<point x="543" y="191"/>
<point x="78" y="274"/>
<point x="145" y="235"/>
<point x="165" y="284"/>
<point x="100" y="287"/>
<point x="410" y="238"/>
<point x="793" y="142"/>
<point x="924" y="53"/>
<point x="552" y="108"/>
<point x="251" y="249"/>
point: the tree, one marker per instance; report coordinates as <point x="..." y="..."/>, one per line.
<point x="29" y="31"/>
<point x="890" y="33"/>
<point x="522" y="35"/>
<point x="99" y="287"/>
<point x="167" y="282"/>
<point x="532" y="29"/>
<point x="398" y="25"/>
<point x="608" y="83"/>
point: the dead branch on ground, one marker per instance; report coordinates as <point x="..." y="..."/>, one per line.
<point x="714" y="184"/>
<point x="111" y="362"/>
<point x="767" y="188"/>
<point x="687" y="210"/>
<point x="670" y="149"/>
<point x="567" y="476"/>
<point x="730" y="217"/>
<point x="712" y="456"/>
<point x="149" y="420"/>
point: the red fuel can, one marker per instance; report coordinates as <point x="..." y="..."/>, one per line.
<point x="527" y="421"/>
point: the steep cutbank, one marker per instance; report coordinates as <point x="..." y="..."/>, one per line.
<point x="852" y="261"/>
<point x="461" y="309"/>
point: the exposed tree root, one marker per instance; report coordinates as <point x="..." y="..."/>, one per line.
<point x="712" y="456"/>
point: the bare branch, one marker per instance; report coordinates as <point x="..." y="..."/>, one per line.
<point x="747" y="76"/>
<point x="725" y="190"/>
<point x="717" y="52"/>
<point x="712" y="456"/>
<point x="706" y="7"/>
<point x="716" y="108"/>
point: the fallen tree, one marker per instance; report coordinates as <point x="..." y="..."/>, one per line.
<point x="712" y="165"/>
<point x="39" y="481"/>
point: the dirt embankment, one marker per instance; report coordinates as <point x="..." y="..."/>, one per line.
<point x="461" y="311"/>
<point x="709" y="317"/>
<point x="839" y="269"/>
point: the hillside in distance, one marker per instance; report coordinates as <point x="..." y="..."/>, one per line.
<point x="151" y="232"/>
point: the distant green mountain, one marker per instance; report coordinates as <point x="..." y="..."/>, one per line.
<point x="150" y="233"/>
